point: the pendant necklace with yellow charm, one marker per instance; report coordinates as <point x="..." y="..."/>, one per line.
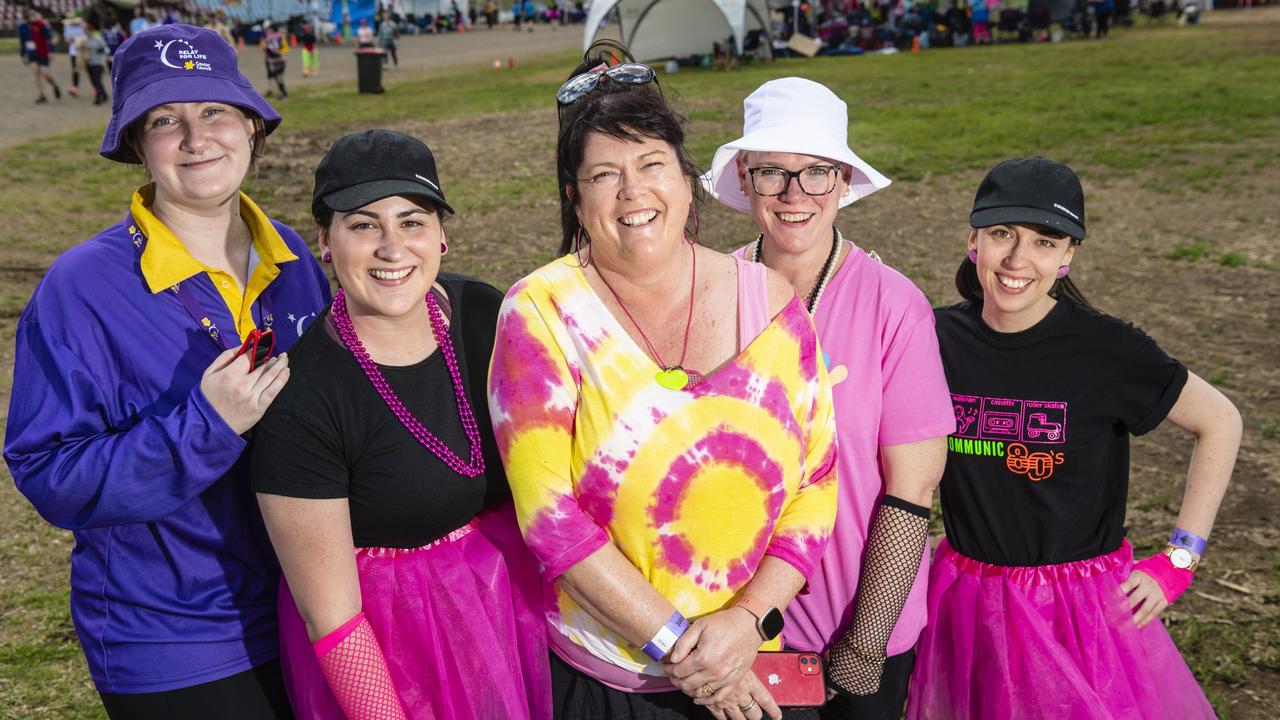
<point x="671" y="377"/>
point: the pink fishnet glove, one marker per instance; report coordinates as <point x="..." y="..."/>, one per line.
<point x="352" y="662"/>
<point x="1172" y="581"/>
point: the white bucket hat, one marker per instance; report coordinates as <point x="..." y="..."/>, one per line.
<point x="791" y="115"/>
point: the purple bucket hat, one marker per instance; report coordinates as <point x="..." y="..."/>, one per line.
<point x="175" y="64"/>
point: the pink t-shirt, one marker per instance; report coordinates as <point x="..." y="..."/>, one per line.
<point x="876" y="330"/>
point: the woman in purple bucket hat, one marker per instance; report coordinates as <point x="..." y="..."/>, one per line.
<point x="145" y="357"/>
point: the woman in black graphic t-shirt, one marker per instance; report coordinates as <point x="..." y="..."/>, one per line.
<point x="1036" y="608"/>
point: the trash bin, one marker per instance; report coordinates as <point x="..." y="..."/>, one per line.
<point x="369" y="69"/>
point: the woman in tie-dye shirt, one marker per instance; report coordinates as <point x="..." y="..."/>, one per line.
<point x="654" y="491"/>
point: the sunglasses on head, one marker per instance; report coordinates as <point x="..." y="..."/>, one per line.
<point x="579" y="85"/>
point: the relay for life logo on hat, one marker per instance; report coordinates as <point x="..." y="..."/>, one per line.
<point x="1033" y="191"/>
<point x="791" y="115"/>
<point x="367" y="166"/>
<point x="188" y="57"/>
<point x="170" y="64"/>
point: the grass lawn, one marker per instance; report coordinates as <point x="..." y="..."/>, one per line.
<point x="1158" y="116"/>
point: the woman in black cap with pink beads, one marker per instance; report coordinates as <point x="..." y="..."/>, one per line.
<point x="1036" y="607"/>
<point x="408" y="590"/>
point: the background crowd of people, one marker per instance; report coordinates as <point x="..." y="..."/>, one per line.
<point x="855" y="26"/>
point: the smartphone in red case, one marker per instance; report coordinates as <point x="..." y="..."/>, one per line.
<point x="795" y="679"/>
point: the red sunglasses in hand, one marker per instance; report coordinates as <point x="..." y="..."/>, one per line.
<point x="258" y="345"/>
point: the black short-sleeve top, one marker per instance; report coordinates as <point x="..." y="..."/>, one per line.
<point x="1038" y="469"/>
<point x="330" y="435"/>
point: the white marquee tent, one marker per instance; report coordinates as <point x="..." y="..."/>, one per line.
<point x="656" y="29"/>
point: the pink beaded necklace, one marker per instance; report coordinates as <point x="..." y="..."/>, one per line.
<point x="475" y="464"/>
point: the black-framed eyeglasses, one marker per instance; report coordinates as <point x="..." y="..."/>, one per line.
<point x="774" y="181"/>
<point x="579" y="85"/>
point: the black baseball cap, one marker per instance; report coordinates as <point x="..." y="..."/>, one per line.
<point x="368" y="166"/>
<point x="1034" y="191"/>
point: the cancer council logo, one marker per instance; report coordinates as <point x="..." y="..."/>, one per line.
<point x="182" y="55"/>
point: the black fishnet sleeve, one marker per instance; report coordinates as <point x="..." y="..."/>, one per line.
<point x="889" y="566"/>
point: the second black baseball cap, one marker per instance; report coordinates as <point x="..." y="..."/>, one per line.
<point x="367" y="166"/>
<point x="1035" y="191"/>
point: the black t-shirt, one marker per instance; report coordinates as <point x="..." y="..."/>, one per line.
<point x="330" y="435"/>
<point x="1038" y="469"/>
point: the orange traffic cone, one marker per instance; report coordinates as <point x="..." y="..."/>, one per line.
<point x="497" y="64"/>
<point x="915" y="44"/>
<point x="240" y="43"/>
<point x="511" y="63"/>
<point x="293" y="40"/>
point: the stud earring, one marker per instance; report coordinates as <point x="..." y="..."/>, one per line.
<point x="444" y="248"/>
<point x="1063" y="270"/>
<point x="326" y="257"/>
<point x="973" y="256"/>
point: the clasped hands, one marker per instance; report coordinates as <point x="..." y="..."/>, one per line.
<point x="716" y="654"/>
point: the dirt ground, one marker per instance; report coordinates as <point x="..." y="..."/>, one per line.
<point x="1216" y="308"/>
<point x="23" y="119"/>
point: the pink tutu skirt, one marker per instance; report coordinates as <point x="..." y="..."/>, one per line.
<point x="460" y="621"/>
<point x="1055" y="641"/>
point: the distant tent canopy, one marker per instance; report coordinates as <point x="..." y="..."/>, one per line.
<point x="657" y="29"/>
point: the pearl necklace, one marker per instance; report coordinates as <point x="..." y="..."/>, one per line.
<point x="474" y="465"/>
<point x="824" y="276"/>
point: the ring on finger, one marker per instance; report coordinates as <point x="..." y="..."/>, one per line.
<point x="748" y="707"/>
<point x="708" y="690"/>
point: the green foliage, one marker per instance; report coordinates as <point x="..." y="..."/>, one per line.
<point x="42" y="670"/>
<point x="1270" y="429"/>
<point x="1188" y="251"/>
<point x="1228" y="651"/>
<point x="1232" y="259"/>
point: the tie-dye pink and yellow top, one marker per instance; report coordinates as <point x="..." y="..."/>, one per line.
<point x="694" y="486"/>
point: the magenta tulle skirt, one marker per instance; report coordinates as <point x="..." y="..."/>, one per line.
<point x="1032" y="643"/>
<point x="460" y="622"/>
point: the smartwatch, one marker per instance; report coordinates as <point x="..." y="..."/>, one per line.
<point x="768" y="619"/>
<point x="1181" y="558"/>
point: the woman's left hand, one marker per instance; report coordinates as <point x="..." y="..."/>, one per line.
<point x="714" y="653"/>
<point x="1146" y="598"/>
<point x="750" y="700"/>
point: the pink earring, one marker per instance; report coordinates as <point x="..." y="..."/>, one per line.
<point x="326" y="257"/>
<point x="444" y="248"/>
<point x="1063" y="270"/>
<point x="973" y="256"/>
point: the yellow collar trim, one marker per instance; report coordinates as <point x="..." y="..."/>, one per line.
<point x="165" y="260"/>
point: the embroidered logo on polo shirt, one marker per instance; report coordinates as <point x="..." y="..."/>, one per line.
<point x="188" y="57"/>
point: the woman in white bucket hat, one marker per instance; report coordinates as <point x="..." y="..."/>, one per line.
<point x="793" y="170"/>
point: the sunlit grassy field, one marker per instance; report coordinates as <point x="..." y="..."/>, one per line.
<point x="1164" y="117"/>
